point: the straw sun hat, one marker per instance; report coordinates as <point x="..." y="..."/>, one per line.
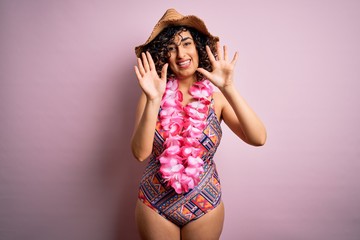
<point x="173" y="18"/>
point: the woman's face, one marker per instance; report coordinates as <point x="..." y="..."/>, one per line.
<point x="184" y="58"/>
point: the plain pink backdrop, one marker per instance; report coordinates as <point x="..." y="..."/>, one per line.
<point x="67" y="100"/>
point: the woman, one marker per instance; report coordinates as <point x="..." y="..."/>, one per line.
<point x="178" y="126"/>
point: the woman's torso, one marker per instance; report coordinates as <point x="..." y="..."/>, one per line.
<point x="155" y="192"/>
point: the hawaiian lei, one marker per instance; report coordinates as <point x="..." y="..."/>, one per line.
<point x="181" y="163"/>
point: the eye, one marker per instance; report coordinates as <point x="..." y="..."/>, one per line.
<point x="186" y="44"/>
<point x="171" y="48"/>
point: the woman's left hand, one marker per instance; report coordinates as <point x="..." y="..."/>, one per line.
<point x="222" y="70"/>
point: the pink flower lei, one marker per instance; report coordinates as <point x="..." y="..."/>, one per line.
<point x="181" y="163"/>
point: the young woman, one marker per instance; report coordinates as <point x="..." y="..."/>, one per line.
<point x="178" y="125"/>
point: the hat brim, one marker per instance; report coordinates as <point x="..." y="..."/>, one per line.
<point x="188" y="21"/>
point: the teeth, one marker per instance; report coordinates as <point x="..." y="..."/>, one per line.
<point x="184" y="63"/>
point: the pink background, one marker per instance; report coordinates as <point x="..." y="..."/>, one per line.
<point x="67" y="99"/>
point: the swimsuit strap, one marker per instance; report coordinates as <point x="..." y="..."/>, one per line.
<point x="212" y="105"/>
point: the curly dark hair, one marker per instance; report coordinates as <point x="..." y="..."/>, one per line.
<point x="159" y="51"/>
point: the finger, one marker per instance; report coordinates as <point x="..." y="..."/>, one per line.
<point x="204" y="72"/>
<point x="225" y="53"/>
<point x="164" y="72"/>
<point x="145" y="62"/>
<point x="141" y="67"/>
<point x="218" y="50"/>
<point x="151" y="61"/>
<point x="137" y="72"/>
<point x="210" y="54"/>
<point x="235" y="58"/>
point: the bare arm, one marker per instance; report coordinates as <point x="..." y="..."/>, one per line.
<point x="153" y="88"/>
<point x="236" y="113"/>
<point x="143" y="136"/>
<point x="241" y="119"/>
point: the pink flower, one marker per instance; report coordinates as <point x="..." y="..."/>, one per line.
<point x="172" y="150"/>
<point x="200" y="106"/>
<point x="201" y="90"/>
<point x="174" y="128"/>
<point x="176" y="185"/>
<point x="173" y="140"/>
<point x="198" y="123"/>
<point x="192" y="171"/>
<point x="193" y="113"/>
<point x="187" y="182"/>
<point x="189" y="141"/>
<point x="192" y="131"/>
<point x="194" y="161"/>
<point x="188" y="151"/>
<point x="167" y="112"/>
<point x="172" y="84"/>
<point x="181" y="163"/>
<point x="169" y="160"/>
<point x="169" y="169"/>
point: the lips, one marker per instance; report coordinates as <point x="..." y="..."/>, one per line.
<point x="184" y="64"/>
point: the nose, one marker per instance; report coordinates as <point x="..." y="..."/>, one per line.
<point x="180" y="52"/>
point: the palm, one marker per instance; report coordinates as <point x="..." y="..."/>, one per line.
<point x="222" y="70"/>
<point x="152" y="85"/>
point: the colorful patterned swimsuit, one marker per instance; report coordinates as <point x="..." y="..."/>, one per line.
<point x="183" y="208"/>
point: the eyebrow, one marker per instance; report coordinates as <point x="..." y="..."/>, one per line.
<point x="182" y="40"/>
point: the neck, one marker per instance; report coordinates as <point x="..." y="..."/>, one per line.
<point x="186" y="83"/>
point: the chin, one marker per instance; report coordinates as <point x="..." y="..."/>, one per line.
<point x="186" y="74"/>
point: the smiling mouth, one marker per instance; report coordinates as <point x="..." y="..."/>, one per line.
<point x="184" y="64"/>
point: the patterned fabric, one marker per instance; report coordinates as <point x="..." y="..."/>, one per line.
<point x="183" y="208"/>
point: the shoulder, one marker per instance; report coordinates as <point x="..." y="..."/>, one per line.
<point x="219" y="104"/>
<point x="219" y="98"/>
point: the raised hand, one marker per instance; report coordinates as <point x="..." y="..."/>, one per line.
<point x="152" y="85"/>
<point x="222" y="70"/>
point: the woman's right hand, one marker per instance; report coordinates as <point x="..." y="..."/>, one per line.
<point x="152" y="85"/>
